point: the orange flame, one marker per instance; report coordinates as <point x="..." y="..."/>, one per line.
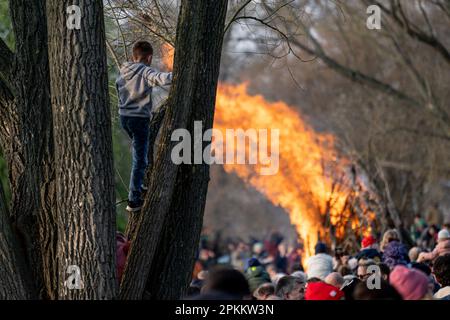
<point x="167" y="56"/>
<point x="301" y="186"/>
<point x="304" y="185"/>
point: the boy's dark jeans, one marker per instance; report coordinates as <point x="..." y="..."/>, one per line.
<point x="138" y="131"/>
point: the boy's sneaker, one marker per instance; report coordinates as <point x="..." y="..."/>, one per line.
<point x="134" y="206"/>
<point x="144" y="188"/>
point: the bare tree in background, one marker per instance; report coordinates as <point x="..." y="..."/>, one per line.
<point x="391" y="111"/>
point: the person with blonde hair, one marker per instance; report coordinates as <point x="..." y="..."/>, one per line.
<point x="389" y="236"/>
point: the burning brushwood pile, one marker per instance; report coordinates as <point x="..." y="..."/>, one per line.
<point x="326" y="197"/>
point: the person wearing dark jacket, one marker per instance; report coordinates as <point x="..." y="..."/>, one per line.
<point x="369" y="250"/>
<point x="256" y="274"/>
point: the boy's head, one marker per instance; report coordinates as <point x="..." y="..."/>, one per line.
<point x="143" y="52"/>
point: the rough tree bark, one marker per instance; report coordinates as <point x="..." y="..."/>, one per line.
<point x="170" y="222"/>
<point x="83" y="150"/>
<point x="26" y="131"/>
<point x="14" y="284"/>
<point x="6" y="116"/>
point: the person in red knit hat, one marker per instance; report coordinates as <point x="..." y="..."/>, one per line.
<point x="369" y="249"/>
<point x="323" y="291"/>
<point x="368" y="241"/>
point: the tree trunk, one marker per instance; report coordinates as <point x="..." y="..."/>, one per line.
<point x="169" y="224"/>
<point x="14" y="284"/>
<point x="83" y="152"/>
<point x="7" y="104"/>
<point x="29" y="151"/>
<point x="395" y="216"/>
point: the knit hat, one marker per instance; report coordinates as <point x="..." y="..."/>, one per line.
<point x="368" y="241"/>
<point x="394" y="254"/>
<point x="252" y="262"/>
<point x="443" y="234"/>
<point x="412" y="284"/>
<point x="322" y="291"/>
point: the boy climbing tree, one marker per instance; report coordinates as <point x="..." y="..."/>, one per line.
<point x="134" y="87"/>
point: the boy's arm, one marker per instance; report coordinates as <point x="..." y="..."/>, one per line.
<point x="155" y="78"/>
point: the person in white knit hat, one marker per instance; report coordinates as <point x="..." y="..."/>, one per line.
<point x="321" y="264"/>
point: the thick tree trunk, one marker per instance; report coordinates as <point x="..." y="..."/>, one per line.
<point x="29" y="150"/>
<point x="83" y="151"/>
<point x="197" y="60"/>
<point x="171" y="270"/>
<point x="13" y="270"/>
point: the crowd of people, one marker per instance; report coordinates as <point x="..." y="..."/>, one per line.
<point x="385" y="268"/>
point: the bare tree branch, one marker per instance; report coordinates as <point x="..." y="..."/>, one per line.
<point x="145" y="23"/>
<point x="119" y="27"/>
<point x="399" y="17"/>
<point x="238" y="11"/>
<point x="277" y="30"/>
<point x="163" y="21"/>
<point x="426" y="18"/>
<point x="354" y="75"/>
<point x="365" y="79"/>
<point x="113" y="54"/>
